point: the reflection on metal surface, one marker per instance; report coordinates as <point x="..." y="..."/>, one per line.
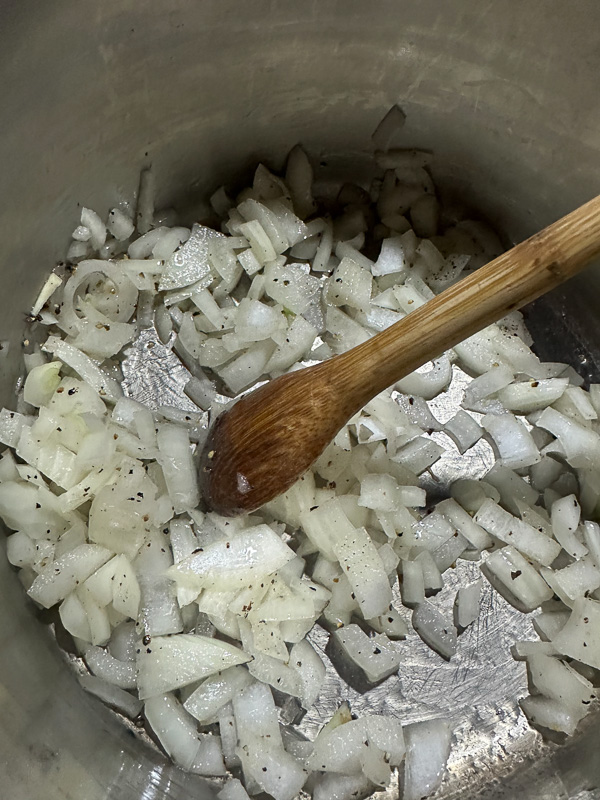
<point x="154" y="375"/>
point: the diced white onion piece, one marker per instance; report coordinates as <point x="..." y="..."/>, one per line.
<point x="528" y="396"/>
<point x="311" y="669"/>
<point x="206" y="303"/>
<point x="410" y="298"/>
<point x="260" y="243"/>
<point x="100" y="584"/>
<point x="471" y="494"/>
<point x="9" y="469"/>
<point x="281" y="600"/>
<point x="432" y="576"/>
<point x="176" y="731"/>
<point x="428" y="381"/>
<point x="321" y="260"/>
<point x="74" y="617"/>
<point x="419" y="454"/>
<point x="576" y="639"/>
<point x="170" y="662"/>
<point x="182" y="538"/>
<point x="50" y="286"/>
<point x="549" y="713"/>
<point x="433" y="530"/>
<point x="514" y="442"/>
<point x="293" y="228"/>
<point x="247" y="368"/>
<point x="435" y="631"/>
<point x="260" y="745"/>
<point x="346" y="332"/>
<point x="62" y="576"/>
<point x="175" y="458"/>
<point x="427" y="750"/>
<point x="255" y="321"/>
<point x="293" y="345"/>
<point x="575" y="403"/>
<point x="96" y="615"/>
<point x="324" y="522"/>
<point x="382" y="493"/>
<point x="512" y="488"/>
<point x="463" y="430"/>
<point x="78" y="250"/>
<point x="11" y="426"/>
<point x="274" y="771"/>
<point x="565" y="515"/>
<point x="487" y="384"/>
<point x="123" y="642"/>
<point x="105" y="666"/>
<point x="369" y="744"/>
<point x="510" y="530"/>
<point x="215" y="692"/>
<point x="332" y="786"/>
<point x="291" y="287"/>
<point x="20" y="549"/>
<point x="549" y="623"/>
<point x="119" y="224"/>
<point x="229" y="737"/>
<point x="350" y="285"/>
<point x="248" y="556"/>
<point x="266" y="668"/>
<point x="576" y="580"/>
<point x="143" y="247"/>
<point x="524" y="650"/>
<point x="56" y="462"/>
<point x="375" y="656"/>
<point x="223" y="260"/>
<point x="249" y="262"/>
<point x="306" y="249"/>
<point x="591" y="537"/>
<point x="159" y="613"/>
<point x="515" y="579"/>
<point x="562" y="683"/>
<point x="580" y="444"/>
<point x="465" y="524"/>
<point x="41" y="383"/>
<point x="116" y="295"/>
<point x="233" y="790"/>
<point x="252" y="210"/>
<point x="81" y="234"/>
<point x="466" y="605"/>
<point x="100" y="381"/>
<point x="96" y="227"/>
<point x="396" y="255"/>
<point x="170" y="242"/>
<point x="412" y="588"/>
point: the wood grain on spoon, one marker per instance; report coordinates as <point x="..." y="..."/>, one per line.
<point x="270" y="437"/>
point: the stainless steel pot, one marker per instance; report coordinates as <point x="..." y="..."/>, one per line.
<point x="504" y="92"/>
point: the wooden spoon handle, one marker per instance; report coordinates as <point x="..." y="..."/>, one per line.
<point x="512" y="280"/>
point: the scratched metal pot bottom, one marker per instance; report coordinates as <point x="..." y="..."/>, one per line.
<point x="479" y="689"/>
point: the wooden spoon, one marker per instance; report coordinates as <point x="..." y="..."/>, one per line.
<point x="269" y="438"/>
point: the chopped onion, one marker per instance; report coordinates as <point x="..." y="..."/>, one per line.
<point x="200" y="753"/>
<point x="102" y="495"/>
<point x="427" y="750"/>
<point x="515" y="579"/>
